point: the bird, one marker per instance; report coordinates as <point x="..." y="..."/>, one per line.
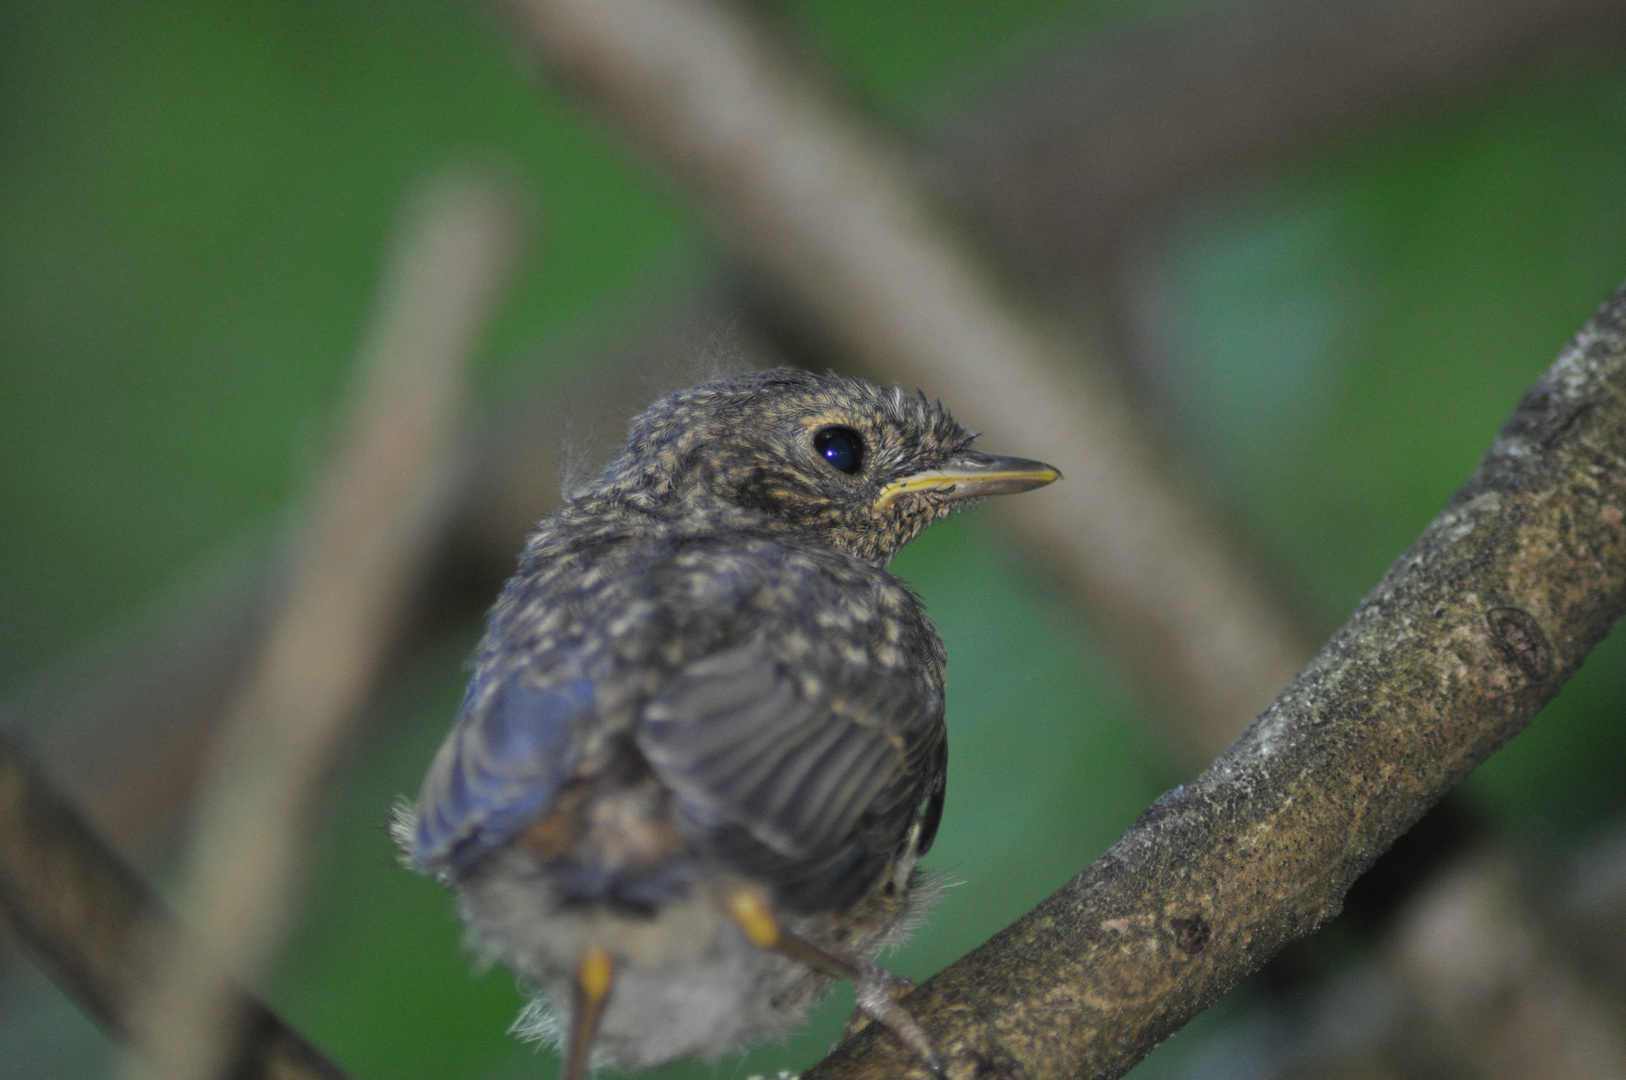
<point x="703" y="745"/>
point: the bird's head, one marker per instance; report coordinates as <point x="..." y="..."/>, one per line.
<point x="861" y="467"/>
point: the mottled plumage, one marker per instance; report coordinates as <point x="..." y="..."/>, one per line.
<point x="703" y="745"/>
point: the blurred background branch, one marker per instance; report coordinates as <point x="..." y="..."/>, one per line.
<point x="1473" y="955"/>
<point x="354" y="564"/>
<point x="1075" y="157"/>
<point x="83" y="915"/>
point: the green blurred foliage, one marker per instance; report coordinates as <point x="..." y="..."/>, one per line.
<point x="1353" y="330"/>
<point x="908" y="59"/>
<point x="194" y="202"/>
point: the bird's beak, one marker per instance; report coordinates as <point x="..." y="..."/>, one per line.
<point x="972" y="475"/>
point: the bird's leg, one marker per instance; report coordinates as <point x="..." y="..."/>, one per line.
<point x="875" y="989"/>
<point x="593" y="976"/>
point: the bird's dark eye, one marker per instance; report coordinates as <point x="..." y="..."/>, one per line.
<point x="842" y="447"/>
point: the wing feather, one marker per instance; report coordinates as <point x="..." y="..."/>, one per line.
<point x="498" y="771"/>
<point x="742" y="745"/>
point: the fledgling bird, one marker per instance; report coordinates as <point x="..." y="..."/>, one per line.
<point x="703" y="746"/>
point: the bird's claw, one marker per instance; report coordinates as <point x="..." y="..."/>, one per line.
<point x="878" y="980"/>
<point x="877" y="991"/>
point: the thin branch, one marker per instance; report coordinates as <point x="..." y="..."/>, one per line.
<point x="1474" y="629"/>
<point x="358" y="557"/>
<point x="83" y="915"/>
<point x="835" y="218"/>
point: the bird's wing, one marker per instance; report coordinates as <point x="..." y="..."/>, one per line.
<point x="823" y="780"/>
<point x="497" y="771"/>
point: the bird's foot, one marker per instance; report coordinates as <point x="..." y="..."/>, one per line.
<point x="894" y="986"/>
<point x="877" y="991"/>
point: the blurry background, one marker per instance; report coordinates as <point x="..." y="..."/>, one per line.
<point x="1331" y="311"/>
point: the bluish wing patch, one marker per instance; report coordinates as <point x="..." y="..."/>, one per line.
<point x="497" y="771"/>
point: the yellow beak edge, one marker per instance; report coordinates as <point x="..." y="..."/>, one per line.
<point x="972" y="476"/>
